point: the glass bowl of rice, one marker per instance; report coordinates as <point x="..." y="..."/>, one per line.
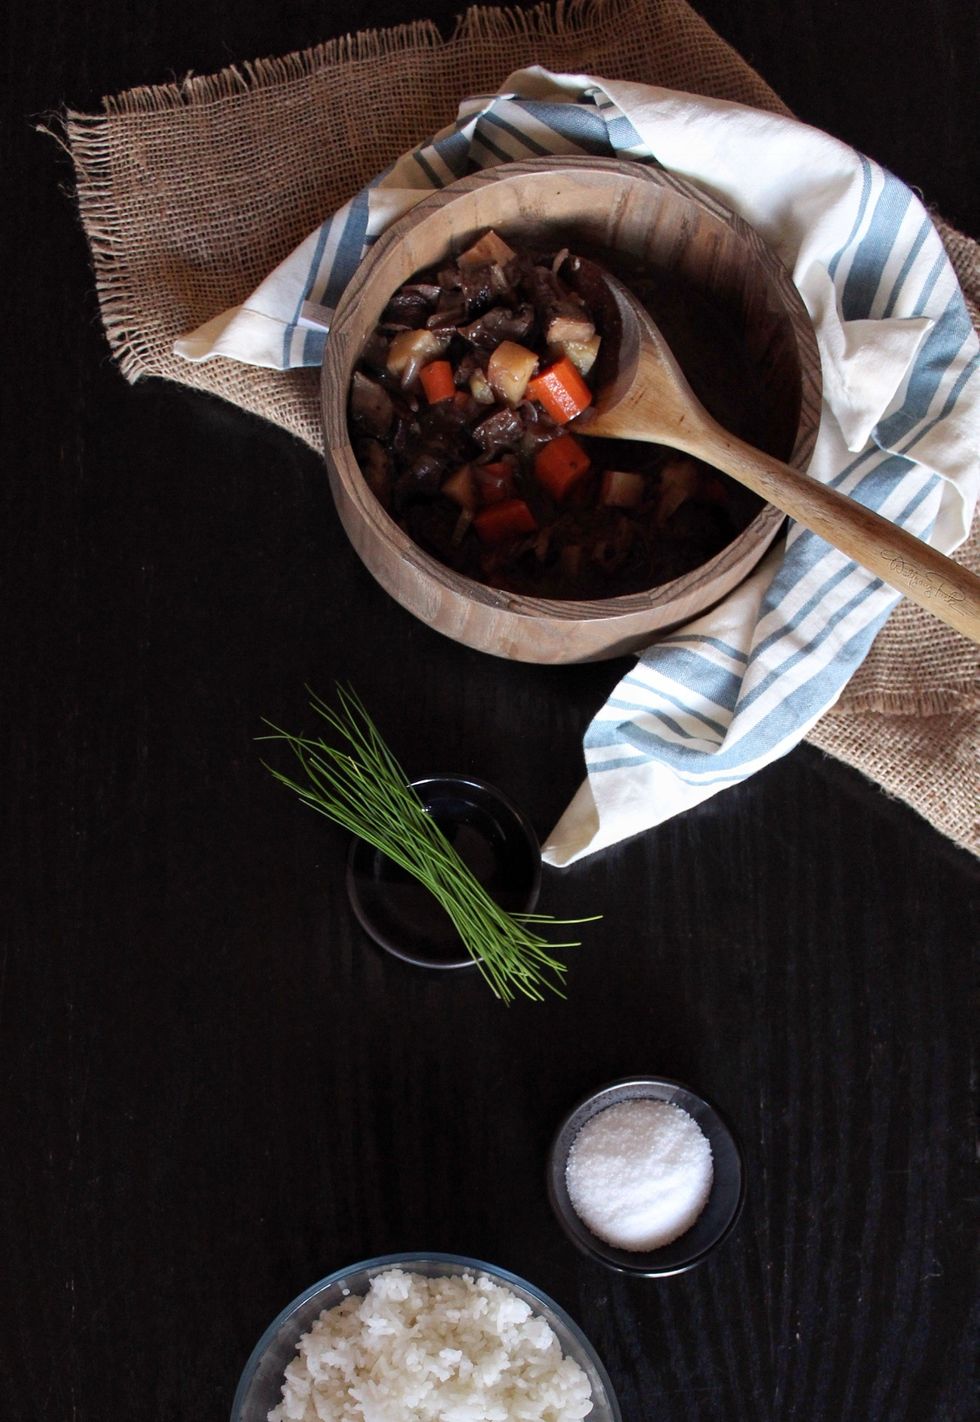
<point x="426" y="1336"/>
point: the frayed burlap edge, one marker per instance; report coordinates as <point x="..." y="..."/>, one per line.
<point x="665" y="42"/>
<point x="365" y="47"/>
<point x="929" y="763"/>
<point x="908" y="718"/>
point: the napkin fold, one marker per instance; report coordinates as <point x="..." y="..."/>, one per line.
<point x="710" y="704"/>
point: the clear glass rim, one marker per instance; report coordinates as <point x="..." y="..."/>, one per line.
<point x="390" y="1261"/>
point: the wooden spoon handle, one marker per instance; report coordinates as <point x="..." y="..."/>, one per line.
<point x="928" y="577"/>
<point x="649" y="398"/>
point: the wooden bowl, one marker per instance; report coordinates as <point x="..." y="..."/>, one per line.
<point x="623" y="214"/>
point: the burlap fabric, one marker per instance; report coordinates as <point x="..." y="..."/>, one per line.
<point x="191" y="193"/>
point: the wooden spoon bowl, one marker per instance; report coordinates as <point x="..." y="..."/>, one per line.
<point x="648" y="398"/>
<point x="634" y="219"/>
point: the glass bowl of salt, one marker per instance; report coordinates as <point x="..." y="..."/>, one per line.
<point x="646" y="1176"/>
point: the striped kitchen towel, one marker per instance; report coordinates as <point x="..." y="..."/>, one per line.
<point x="709" y="705"/>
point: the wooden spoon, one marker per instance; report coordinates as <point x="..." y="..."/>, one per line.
<point x="649" y="399"/>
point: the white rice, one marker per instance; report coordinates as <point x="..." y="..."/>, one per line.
<point x="457" y="1349"/>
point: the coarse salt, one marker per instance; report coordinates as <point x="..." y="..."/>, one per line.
<point x="639" y="1173"/>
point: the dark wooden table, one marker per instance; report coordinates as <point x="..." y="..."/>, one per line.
<point x="214" y="1090"/>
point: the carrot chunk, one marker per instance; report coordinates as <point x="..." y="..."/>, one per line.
<point x="437" y="381"/>
<point x="561" y="391"/>
<point x="498" y="522"/>
<point x="495" y="482"/>
<point x="560" y="464"/>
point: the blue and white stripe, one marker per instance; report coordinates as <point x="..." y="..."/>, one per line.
<point x="743" y="704"/>
<point x="708" y="705"/>
<point x="491" y="129"/>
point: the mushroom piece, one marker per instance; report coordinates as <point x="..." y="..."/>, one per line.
<point x="370" y="405"/>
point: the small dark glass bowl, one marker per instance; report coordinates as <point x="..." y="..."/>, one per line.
<point x="717" y="1219"/>
<point x="492" y="837"/>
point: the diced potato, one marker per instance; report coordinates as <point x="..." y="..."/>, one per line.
<point x="621" y="489"/>
<point x="509" y="370"/>
<point x="410" y="350"/>
<point x="480" y="389"/>
<point x="461" y="488"/>
<point x="490" y="248"/>
<point x="582" y="354"/>
<point x="563" y="329"/>
<point x="679" y="481"/>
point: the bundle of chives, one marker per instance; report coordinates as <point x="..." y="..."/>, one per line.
<point x="360" y="785"/>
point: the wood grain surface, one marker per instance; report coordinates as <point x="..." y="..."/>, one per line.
<point x="214" y="1090"/>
